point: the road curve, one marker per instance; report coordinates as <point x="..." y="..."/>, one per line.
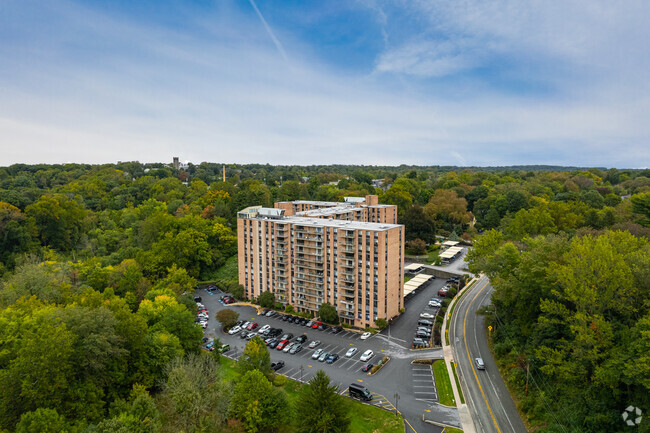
<point x="486" y="395"/>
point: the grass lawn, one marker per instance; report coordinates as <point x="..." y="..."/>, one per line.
<point x="452" y="430"/>
<point x="407" y="279"/>
<point x="460" y="391"/>
<point x="364" y="418"/>
<point x="445" y="393"/>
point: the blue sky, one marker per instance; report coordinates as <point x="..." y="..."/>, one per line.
<point x="445" y="82"/>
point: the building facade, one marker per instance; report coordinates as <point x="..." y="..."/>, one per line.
<point x="308" y="259"/>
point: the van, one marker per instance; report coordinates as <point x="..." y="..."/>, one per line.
<point x="359" y="391"/>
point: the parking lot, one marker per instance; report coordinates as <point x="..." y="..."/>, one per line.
<point x="416" y="391"/>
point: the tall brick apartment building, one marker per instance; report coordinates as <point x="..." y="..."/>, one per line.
<point x="350" y="254"/>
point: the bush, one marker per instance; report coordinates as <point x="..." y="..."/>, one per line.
<point x="289" y="309"/>
<point x="371" y="330"/>
<point x="279" y="306"/>
<point x="227" y="318"/>
<point x="381" y="323"/>
<point x="402" y="310"/>
<point x="280" y="380"/>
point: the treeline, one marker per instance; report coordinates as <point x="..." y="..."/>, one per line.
<point x="571" y="320"/>
<point x="96" y="263"/>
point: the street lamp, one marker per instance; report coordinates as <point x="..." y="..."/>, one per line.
<point x="396" y="404"/>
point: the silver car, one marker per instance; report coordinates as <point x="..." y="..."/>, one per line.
<point x="317" y="353"/>
<point x="351" y="351"/>
<point x="295" y="349"/>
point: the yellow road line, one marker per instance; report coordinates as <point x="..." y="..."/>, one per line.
<point x="470" y="359"/>
<point x="407" y="422"/>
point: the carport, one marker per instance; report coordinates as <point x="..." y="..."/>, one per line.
<point x="415" y="283"/>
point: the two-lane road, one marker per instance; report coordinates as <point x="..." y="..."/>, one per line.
<point x="487" y="397"/>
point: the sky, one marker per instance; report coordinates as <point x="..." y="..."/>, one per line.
<point x="444" y="82"/>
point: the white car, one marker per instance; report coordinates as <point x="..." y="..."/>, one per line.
<point x="204" y="325"/>
<point x="264" y="328"/>
<point x="314" y="344"/>
<point x="288" y="347"/>
<point x="365" y="335"/>
<point x="427" y="316"/>
<point x="367" y="355"/>
<point x="234" y="330"/>
<point x="351" y="351"/>
<point x="245" y="325"/>
<point x="317" y="353"/>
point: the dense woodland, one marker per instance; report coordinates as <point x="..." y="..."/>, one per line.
<point x="97" y="329"/>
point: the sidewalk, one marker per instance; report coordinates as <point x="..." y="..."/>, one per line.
<point x="463" y="411"/>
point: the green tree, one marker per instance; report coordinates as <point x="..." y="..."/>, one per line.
<point x="416" y="247"/>
<point x="227" y="318"/>
<point x="59" y="221"/>
<point x="321" y="408"/>
<point x="328" y="313"/>
<point x="194" y="397"/>
<point x="255" y="357"/>
<point x="42" y="420"/>
<point x="266" y="299"/>
<point x="258" y="404"/>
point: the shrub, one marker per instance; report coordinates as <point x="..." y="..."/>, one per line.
<point x="289" y="309"/>
<point x="278" y="306"/>
<point x="280" y="380"/>
<point x="266" y="299"/>
<point x="381" y="323"/>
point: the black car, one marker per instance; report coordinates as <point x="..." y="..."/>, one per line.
<point x="243" y="335"/>
<point x="323" y="327"/>
<point x="270" y="340"/>
<point x="337" y="329"/>
<point x="274" y="332"/>
<point x="274" y="343"/>
<point x="277" y="365"/>
<point x="197" y="299"/>
<point x="285" y="318"/>
<point x="366" y="367"/>
<point x="301" y="339"/>
<point x="263" y="312"/>
<point x="288" y="336"/>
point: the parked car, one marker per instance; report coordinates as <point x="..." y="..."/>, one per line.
<point x="427" y="316"/>
<point x="285" y="318"/>
<point x="198" y="299"/>
<point x="288" y="347"/>
<point x="324" y="356"/>
<point x="263" y="312"/>
<point x="271" y="313"/>
<point x="251" y="335"/>
<point x="270" y="340"/>
<point x="243" y="334"/>
<point x="234" y="330"/>
<point x="443" y="292"/>
<point x="367" y="367"/>
<point x="337" y="329"/>
<point x="332" y="358"/>
<point x="365" y="356"/>
<point x="274" y="332"/>
<point x="315" y="325"/>
<point x="277" y="365"/>
<point x="273" y="344"/>
<point x="351" y="351"/>
<point x="424" y="322"/>
<point x="224" y="348"/>
<point x="311" y="322"/>
<point x="317" y="353"/>
<point x="282" y="344"/>
<point x="420" y="342"/>
<point x="323" y="327"/>
<point x="301" y="338"/>
<point x="365" y="335"/>
<point x="287" y="336"/>
<point x="204" y="325"/>
<point x="295" y="348"/>
<point x="313" y="344"/>
<point x="265" y="329"/>
<point x="251" y="326"/>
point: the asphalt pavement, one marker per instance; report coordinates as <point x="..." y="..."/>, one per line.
<point x="397" y="386"/>
<point x="487" y="397"/>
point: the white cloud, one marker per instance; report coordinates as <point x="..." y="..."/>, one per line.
<point x="106" y="89"/>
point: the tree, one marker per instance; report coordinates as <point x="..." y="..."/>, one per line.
<point x="447" y="206"/>
<point x="59" y="220"/>
<point x="266" y="299"/>
<point x="255" y="357"/>
<point x="416" y="247"/>
<point x="381" y="323"/>
<point x="328" y="313"/>
<point x="257" y="404"/>
<point x="418" y="224"/>
<point x="227" y="318"/>
<point x="321" y="407"/>
<point x="194" y="397"/>
<point x="16" y="232"/>
<point x="42" y="420"/>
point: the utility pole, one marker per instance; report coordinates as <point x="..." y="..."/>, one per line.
<point x="396" y="404"/>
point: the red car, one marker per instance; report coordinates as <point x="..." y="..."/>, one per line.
<point x="282" y="344"/>
<point x="252" y="326"/>
<point x="442" y="292"/>
<point x="316" y="324"/>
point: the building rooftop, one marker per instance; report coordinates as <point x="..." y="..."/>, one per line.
<point x="328" y="211"/>
<point x="316" y="222"/>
